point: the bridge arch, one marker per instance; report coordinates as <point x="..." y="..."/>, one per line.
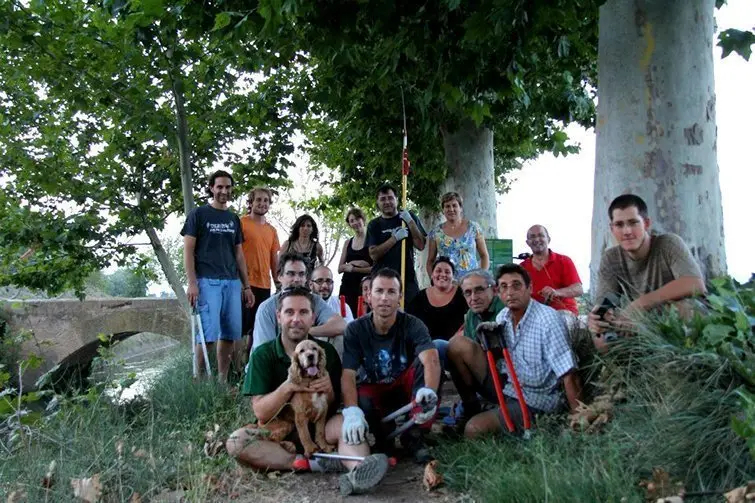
<point x="65" y="329"/>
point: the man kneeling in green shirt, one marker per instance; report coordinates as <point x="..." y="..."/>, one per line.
<point x="268" y="384"/>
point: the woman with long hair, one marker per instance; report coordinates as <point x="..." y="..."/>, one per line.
<point x="457" y="238"/>
<point x="303" y="240"/>
<point x="355" y="261"/>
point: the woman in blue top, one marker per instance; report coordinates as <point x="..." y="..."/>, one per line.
<point x="457" y="238"/>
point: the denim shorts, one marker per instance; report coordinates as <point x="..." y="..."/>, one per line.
<point x="219" y="308"/>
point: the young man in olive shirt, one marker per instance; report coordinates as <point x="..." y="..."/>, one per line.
<point x="645" y="269"/>
<point x="271" y="390"/>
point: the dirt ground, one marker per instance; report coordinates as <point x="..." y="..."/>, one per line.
<point x="402" y="484"/>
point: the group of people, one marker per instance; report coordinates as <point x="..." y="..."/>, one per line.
<point x="391" y="356"/>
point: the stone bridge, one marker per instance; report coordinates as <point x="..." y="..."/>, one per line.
<point x="67" y="330"/>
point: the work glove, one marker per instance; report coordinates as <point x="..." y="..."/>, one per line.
<point x="354" y="428"/>
<point x="405" y="216"/>
<point x="428" y="401"/>
<point x="488" y="334"/>
<point x="400" y="233"/>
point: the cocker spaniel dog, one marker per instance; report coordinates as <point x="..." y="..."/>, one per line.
<point x="307" y="364"/>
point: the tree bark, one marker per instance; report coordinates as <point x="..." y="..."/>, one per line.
<point x="656" y="124"/>
<point x="469" y="159"/>
<point x="167" y="266"/>
<point x="184" y="146"/>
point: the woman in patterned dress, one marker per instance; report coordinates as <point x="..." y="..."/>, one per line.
<point x="457" y="238"/>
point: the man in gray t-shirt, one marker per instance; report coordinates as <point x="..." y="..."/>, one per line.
<point x="646" y="269"/>
<point x="292" y="271"/>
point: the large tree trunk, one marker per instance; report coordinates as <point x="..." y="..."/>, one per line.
<point x="168" y="269"/>
<point x="469" y="158"/>
<point x="656" y="127"/>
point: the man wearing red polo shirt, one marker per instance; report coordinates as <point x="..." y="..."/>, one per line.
<point x="555" y="281"/>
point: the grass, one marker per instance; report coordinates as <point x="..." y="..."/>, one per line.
<point x="160" y="440"/>
<point x="677" y="417"/>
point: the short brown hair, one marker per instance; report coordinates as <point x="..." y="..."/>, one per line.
<point x="356" y="212"/>
<point x="450" y="196"/>
<point x="252" y="193"/>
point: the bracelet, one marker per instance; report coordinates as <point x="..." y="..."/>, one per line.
<point x="247" y="288"/>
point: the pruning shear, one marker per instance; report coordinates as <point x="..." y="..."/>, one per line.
<point x="494" y="340"/>
<point x="412" y="407"/>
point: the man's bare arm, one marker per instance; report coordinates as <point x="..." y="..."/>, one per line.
<point x="571" y="291"/>
<point x="431" y="361"/>
<point x="192" y="288"/>
<point x="378" y="251"/>
<point x="334" y="327"/>
<point x="680" y="288"/>
<point x="349" y="388"/>
<point x="266" y="407"/>
<point x="418" y="239"/>
<point x="573" y="388"/>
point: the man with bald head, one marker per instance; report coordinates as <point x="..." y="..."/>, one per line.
<point x="321" y="284"/>
<point x="555" y="281"/>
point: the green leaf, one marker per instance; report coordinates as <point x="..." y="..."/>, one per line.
<point x="153" y="8"/>
<point x="742" y="322"/>
<point x="716" y="334"/>
<point x="738" y="41"/>
<point x="221" y="21"/>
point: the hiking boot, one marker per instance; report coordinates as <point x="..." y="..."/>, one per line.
<point x="414" y="443"/>
<point x="364" y="476"/>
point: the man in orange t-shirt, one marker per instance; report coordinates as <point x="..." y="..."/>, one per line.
<point x="261" y="253"/>
<point x="555" y="281"/>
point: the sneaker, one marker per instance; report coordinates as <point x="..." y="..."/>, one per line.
<point x="364" y="476"/>
<point x="326" y="465"/>
<point x="414" y="442"/>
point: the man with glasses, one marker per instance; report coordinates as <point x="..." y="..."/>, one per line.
<point x="538" y="342"/>
<point x="293" y="272"/>
<point x="555" y="281"/>
<point x="645" y="269"/>
<point x="322" y="285"/>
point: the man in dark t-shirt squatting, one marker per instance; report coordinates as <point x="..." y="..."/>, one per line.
<point x="216" y="270"/>
<point x="384" y="236"/>
<point x="397" y="362"/>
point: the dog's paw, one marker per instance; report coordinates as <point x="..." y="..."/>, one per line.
<point x="310" y="449"/>
<point x="324" y="447"/>
<point x="288" y="446"/>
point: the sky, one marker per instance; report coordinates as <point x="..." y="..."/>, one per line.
<point x="539" y="188"/>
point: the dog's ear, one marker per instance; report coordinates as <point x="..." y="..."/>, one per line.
<point x="321" y="369"/>
<point x="294" y="374"/>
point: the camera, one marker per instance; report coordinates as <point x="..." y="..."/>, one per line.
<point x="606" y="304"/>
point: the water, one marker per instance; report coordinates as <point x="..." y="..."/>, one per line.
<point x="144" y="355"/>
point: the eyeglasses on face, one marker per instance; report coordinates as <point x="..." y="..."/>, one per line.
<point x="323" y="281"/>
<point x="468" y="292"/>
<point x="514" y="286"/>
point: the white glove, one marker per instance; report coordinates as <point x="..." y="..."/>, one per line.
<point x="426" y="398"/>
<point x="354" y="428"/>
<point x="405" y="216"/>
<point x="400" y="233"/>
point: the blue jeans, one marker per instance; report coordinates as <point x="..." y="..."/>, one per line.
<point x="442" y="347"/>
<point x="219" y="308"/>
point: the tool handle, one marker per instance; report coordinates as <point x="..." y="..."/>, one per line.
<point x="360" y="307"/>
<point x="517" y="389"/>
<point x="499" y="392"/>
<point x="343" y="306"/>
